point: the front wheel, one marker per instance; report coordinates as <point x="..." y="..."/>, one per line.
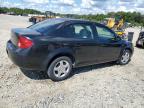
<point x="125" y="57"/>
<point x="60" y="68"/>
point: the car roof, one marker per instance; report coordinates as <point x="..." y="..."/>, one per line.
<point x="79" y="21"/>
<point x="71" y="19"/>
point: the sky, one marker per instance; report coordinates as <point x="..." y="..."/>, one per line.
<point x="77" y="6"/>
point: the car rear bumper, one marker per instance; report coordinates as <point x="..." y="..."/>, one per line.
<point x="23" y="57"/>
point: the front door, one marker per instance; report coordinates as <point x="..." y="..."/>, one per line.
<point x="108" y="45"/>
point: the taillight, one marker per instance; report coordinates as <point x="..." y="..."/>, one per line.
<point x="24" y="42"/>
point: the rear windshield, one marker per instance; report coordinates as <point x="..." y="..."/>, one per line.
<point x="47" y="25"/>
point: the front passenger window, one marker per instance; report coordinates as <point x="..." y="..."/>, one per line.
<point x="103" y="32"/>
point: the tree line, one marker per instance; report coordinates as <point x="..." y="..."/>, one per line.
<point x="18" y="11"/>
<point x="135" y="18"/>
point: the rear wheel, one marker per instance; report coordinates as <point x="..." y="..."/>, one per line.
<point x="60" y="68"/>
<point x="125" y="57"/>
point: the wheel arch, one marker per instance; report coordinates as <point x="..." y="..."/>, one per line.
<point x="129" y="50"/>
<point x="126" y="48"/>
<point x="59" y="54"/>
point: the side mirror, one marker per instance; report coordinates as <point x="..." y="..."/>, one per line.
<point x="116" y="38"/>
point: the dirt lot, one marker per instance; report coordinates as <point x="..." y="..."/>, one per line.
<point x="99" y="86"/>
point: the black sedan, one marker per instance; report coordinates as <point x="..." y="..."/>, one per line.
<point x="140" y="41"/>
<point x="58" y="45"/>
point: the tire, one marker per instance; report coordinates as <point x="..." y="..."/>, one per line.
<point x="125" y="57"/>
<point x="143" y="45"/>
<point x="60" y="68"/>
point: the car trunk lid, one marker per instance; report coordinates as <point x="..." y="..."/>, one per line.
<point x="25" y="32"/>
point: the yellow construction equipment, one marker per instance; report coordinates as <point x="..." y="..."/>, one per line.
<point x="118" y="25"/>
<point x="39" y="18"/>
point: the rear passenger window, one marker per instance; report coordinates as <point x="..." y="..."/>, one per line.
<point x="104" y="32"/>
<point x="82" y="31"/>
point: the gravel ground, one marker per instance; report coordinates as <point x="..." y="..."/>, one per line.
<point x="99" y="86"/>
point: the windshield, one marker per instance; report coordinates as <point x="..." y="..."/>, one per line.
<point x="46" y="26"/>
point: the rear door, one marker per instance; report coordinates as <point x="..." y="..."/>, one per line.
<point x="108" y="45"/>
<point x="81" y="38"/>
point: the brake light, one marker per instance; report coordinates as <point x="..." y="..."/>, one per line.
<point x="24" y="42"/>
